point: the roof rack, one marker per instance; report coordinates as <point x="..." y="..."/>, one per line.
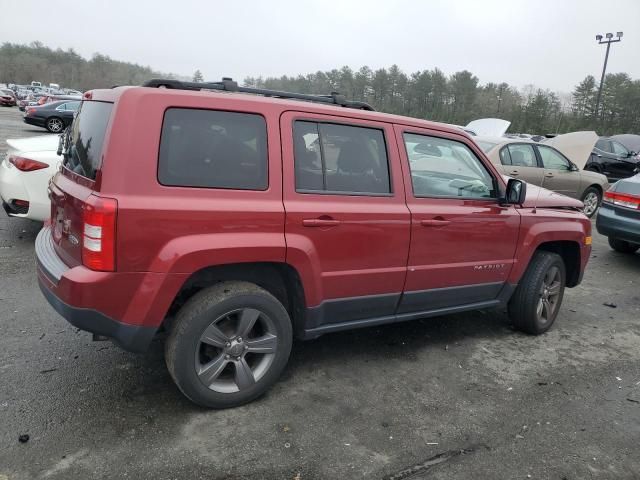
<point x="228" y="85"/>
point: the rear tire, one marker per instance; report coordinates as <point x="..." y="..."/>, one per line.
<point x="535" y="304"/>
<point x="622" y="246"/>
<point x="591" y="199"/>
<point x="228" y="344"/>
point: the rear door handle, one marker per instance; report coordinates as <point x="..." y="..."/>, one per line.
<point x="549" y="175"/>
<point x="515" y="173"/>
<point x="434" y="223"/>
<point x="320" y="222"/>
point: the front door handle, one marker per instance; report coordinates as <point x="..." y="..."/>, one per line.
<point x="434" y="223"/>
<point x="548" y="175"/>
<point x="514" y="173"/>
<point x="320" y="222"/>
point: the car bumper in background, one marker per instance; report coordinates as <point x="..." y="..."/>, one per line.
<point x="38" y="122"/>
<point x="13" y="187"/>
<point x="618" y="223"/>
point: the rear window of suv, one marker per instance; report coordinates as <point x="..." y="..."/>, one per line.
<point x="213" y="149"/>
<point x="86" y="138"/>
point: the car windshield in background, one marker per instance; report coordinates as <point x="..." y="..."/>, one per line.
<point x="485" y="146"/>
<point x="86" y="138"/>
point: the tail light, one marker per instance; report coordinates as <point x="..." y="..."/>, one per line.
<point x="26" y="164"/>
<point x="99" y="233"/>
<point x="623" y="199"/>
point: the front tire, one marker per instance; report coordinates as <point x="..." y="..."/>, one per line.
<point x="591" y="199"/>
<point x="54" y="124"/>
<point x="622" y="246"/>
<point x="537" y="299"/>
<point x="228" y="344"/>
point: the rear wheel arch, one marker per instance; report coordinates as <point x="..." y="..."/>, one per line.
<point x="279" y="279"/>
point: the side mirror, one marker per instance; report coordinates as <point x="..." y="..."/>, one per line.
<point x="573" y="167"/>
<point x="516" y="192"/>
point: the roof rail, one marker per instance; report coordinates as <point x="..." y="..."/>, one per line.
<point x="228" y="85"/>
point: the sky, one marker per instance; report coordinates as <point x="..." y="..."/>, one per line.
<point x="550" y="44"/>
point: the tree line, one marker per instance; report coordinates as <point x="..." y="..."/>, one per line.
<point x="460" y="98"/>
<point x="429" y="94"/>
<point x="23" y="64"/>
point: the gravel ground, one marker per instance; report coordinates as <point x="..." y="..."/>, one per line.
<point x="459" y="396"/>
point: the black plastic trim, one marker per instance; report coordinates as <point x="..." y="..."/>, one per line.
<point x="448" y="297"/>
<point x="317" y="325"/>
<point x="352" y="309"/>
<point x="133" y="338"/>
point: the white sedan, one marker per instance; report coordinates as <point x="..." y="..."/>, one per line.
<point x="24" y="176"/>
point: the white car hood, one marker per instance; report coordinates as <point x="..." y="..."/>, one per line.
<point x="489" y="127"/>
<point x="40" y="143"/>
<point x="576" y="146"/>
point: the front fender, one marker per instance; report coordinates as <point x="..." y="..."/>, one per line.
<point x="549" y="226"/>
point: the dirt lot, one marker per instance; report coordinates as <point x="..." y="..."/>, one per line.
<point x="461" y="396"/>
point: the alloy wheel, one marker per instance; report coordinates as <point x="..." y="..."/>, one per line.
<point x="590" y="203"/>
<point x="236" y="350"/>
<point x="549" y="295"/>
<point x="55" y="125"/>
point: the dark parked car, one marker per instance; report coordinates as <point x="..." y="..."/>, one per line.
<point x="619" y="215"/>
<point x="613" y="159"/>
<point x="54" y="116"/>
<point x="7" y="98"/>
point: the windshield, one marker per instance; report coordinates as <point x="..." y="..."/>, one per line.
<point x="85" y="138"/>
<point x="485" y="146"/>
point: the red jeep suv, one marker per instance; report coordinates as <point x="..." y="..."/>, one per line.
<point x="237" y="218"/>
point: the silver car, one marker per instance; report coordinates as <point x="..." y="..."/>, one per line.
<point x="546" y="166"/>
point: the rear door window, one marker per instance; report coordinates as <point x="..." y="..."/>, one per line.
<point x="340" y="159"/>
<point x="522" y="155"/>
<point x="213" y="149"/>
<point x="86" y="138"/>
<point x="604" y="145"/>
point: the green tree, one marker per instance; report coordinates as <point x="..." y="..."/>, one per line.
<point x="197" y="76"/>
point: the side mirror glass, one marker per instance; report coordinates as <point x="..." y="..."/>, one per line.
<point x="516" y="191"/>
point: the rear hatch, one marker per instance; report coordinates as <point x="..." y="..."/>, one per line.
<point x="73" y="189"/>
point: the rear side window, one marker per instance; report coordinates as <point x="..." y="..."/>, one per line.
<point x="86" y="138"/>
<point x="213" y="149"/>
<point x="340" y="158"/>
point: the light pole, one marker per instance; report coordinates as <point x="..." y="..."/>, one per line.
<point x="609" y="40"/>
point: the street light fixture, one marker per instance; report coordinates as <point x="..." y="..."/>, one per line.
<point x="608" y="41"/>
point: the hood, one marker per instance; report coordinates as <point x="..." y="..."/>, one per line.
<point x="40" y="143"/>
<point x="489" y="127"/>
<point x="576" y="146"/>
<point x="543" y="198"/>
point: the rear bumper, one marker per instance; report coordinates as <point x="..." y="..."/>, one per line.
<point x="614" y="223"/>
<point x="127" y="307"/>
<point x="38" y="122"/>
<point x="129" y="337"/>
